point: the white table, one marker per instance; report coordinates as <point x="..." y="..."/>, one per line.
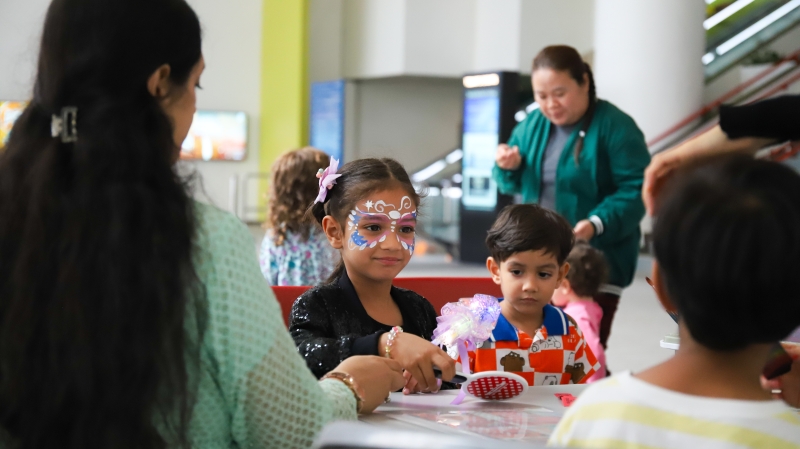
<point x="529" y="417"/>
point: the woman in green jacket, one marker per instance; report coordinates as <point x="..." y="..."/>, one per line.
<point x="583" y="158"/>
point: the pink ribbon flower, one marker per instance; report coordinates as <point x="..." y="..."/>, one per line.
<point x="327" y="179"/>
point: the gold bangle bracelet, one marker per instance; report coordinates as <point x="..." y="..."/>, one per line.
<point x="351" y="384"/>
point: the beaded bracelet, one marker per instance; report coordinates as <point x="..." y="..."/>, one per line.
<point x="351" y="384"/>
<point x="390" y="341"/>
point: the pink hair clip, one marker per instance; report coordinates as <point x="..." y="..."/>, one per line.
<point x="327" y="179"/>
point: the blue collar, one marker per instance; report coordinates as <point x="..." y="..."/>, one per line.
<point x="554" y="320"/>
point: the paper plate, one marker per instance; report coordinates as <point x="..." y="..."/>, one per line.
<point x="496" y="385"/>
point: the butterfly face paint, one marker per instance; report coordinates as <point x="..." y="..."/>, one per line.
<point x="380" y="221"/>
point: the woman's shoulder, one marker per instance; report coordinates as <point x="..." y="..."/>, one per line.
<point x="609" y="113"/>
<point x="213" y="221"/>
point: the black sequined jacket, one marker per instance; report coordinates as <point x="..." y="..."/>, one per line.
<point x="329" y="323"/>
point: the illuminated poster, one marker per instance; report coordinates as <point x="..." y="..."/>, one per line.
<point x="480" y="139"/>
<point x="216" y="135"/>
<point x="9" y="113"/>
<point x="327" y="117"/>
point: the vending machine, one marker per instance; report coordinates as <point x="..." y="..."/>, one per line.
<point x="490" y="102"/>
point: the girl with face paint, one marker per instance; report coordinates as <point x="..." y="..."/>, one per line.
<point x="368" y="211"/>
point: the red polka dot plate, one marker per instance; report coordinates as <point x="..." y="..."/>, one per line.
<point x="495" y="385"/>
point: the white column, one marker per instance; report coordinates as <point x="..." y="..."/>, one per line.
<point x="647" y="59"/>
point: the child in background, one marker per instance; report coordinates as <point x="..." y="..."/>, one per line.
<point x="368" y="211"/>
<point x="587" y="272"/>
<point x="529" y="246"/>
<point x="295" y="251"/>
<point x="727" y="248"/>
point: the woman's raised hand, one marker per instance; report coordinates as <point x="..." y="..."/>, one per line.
<point x="789" y="383"/>
<point x="508" y="158"/>
<point x="418" y="356"/>
<point x="376" y="376"/>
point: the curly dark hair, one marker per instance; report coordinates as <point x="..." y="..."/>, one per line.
<point x="588" y="269"/>
<point x="96" y="238"/>
<point x="293" y="187"/>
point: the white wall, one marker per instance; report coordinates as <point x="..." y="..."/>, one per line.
<point x="414" y="120"/>
<point x="438" y="37"/>
<point x="232" y="51"/>
<point x="648" y="59"/>
<point x="497" y="29"/>
<point x="374" y="44"/>
<point x="547" y="22"/>
<point x="326" y="39"/>
<point x="20" y="30"/>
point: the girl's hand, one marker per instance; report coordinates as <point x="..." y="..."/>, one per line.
<point x="789" y="383"/>
<point x="508" y="158"/>
<point x="376" y="376"/>
<point x="418" y="356"/>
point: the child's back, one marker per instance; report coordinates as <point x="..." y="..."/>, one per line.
<point x="727" y="245"/>
<point x="295" y="251"/>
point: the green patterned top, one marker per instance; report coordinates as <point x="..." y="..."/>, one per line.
<point x="255" y="390"/>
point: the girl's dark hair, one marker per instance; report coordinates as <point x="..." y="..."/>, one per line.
<point x="727" y="240"/>
<point x="96" y="255"/>
<point x="293" y="186"/>
<point x="529" y="227"/>
<point x="564" y="58"/>
<point x="588" y="269"/>
<point x="360" y="178"/>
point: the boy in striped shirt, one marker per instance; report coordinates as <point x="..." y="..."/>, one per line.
<point x="727" y="246"/>
<point x="529" y="246"/>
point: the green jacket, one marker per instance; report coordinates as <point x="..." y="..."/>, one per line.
<point x="606" y="184"/>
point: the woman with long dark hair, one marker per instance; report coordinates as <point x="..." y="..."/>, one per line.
<point x="583" y="158"/>
<point x="131" y="316"/>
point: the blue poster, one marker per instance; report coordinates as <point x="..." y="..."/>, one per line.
<point x="327" y="117"/>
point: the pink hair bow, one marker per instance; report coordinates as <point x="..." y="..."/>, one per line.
<point x="327" y="179"/>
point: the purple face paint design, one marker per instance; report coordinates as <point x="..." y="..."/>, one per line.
<point x="389" y="218"/>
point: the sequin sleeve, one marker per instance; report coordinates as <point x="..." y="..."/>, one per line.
<point x="312" y="330"/>
<point x="254" y="388"/>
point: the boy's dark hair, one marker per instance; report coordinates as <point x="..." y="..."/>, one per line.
<point x="588" y="269"/>
<point x="727" y="239"/>
<point x="529" y="227"/>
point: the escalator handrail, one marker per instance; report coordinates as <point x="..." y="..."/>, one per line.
<point x="725" y="97"/>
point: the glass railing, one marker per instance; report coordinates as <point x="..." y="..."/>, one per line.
<point x="737" y="28"/>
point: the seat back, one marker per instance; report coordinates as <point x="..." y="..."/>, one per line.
<point x="439" y="291"/>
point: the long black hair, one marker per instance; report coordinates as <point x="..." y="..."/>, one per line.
<point x="359" y="178"/>
<point x="96" y="237"/>
<point x="564" y="58"/>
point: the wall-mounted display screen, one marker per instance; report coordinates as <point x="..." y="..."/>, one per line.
<point x="327" y="117"/>
<point x="9" y="112"/>
<point x="480" y="139"/>
<point x="216" y="135"/>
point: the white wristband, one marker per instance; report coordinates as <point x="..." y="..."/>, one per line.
<point x="598" y="224"/>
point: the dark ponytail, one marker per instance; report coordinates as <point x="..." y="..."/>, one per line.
<point x="360" y="178"/>
<point x="101" y="311"/>
<point x="564" y="58"/>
